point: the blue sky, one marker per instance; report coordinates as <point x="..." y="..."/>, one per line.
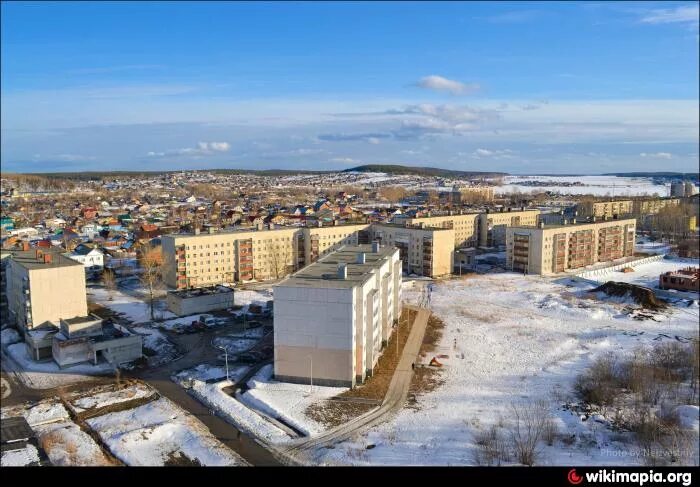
<point x="523" y="87"/>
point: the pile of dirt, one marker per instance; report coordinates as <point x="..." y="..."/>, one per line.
<point x="641" y="295"/>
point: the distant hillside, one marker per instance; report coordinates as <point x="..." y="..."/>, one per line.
<point x="422" y="171"/>
<point x="98" y="175"/>
<point x="660" y="174"/>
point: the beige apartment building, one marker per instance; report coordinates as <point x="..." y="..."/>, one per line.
<point x="424" y="251"/>
<point x="43" y="286"/>
<point x="334" y="317"/>
<point x="548" y="250"/>
<point x="602" y="209"/>
<point x="478" y="229"/>
<point x="205" y="259"/>
<point x="651" y="206"/>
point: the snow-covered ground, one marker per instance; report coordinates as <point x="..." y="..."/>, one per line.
<point x="155" y="341"/>
<point x="237" y="413"/>
<point x="67" y="445"/>
<point x="287" y="401"/>
<point x="513" y="339"/>
<point x="151" y="434"/>
<point x="234" y="344"/>
<point x="20" y="458"/>
<point x="205" y="372"/>
<point x="246" y="297"/>
<point x="133" y="309"/>
<point x="595" y="185"/>
<point x="8" y="336"/>
<point x="110" y="397"/>
<point x="63" y="441"/>
<point x="646" y="274"/>
<point x="46" y="375"/>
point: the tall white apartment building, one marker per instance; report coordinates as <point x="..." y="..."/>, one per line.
<point x="333" y="317"/>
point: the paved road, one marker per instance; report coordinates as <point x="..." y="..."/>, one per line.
<point x="393" y="401"/>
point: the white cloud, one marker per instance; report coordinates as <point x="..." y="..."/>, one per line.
<point x="684" y="14"/>
<point x="202" y="149"/>
<point x="438" y="83"/>
<point x="492" y="153"/>
<point x="345" y="160"/>
<point x="657" y="155"/>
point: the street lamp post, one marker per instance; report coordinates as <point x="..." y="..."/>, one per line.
<point x="225" y="359"/>
<point x="311" y="375"/>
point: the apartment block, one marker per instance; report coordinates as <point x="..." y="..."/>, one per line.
<point x="485" y="229"/>
<point x="43" y="286"/>
<point x="552" y="249"/>
<point x="423" y="250"/>
<point x="603" y="209"/>
<point x="207" y="259"/>
<point x="651" y="206"/>
<point x="333" y="317"/>
<point x="469" y="194"/>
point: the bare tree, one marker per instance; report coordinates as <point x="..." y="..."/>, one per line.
<point x="151" y="261"/>
<point x="110" y="282"/>
<point x="529" y="425"/>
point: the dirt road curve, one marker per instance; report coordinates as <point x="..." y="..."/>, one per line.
<point x="393" y="401"/>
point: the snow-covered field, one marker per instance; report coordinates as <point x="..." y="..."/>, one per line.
<point x="646" y="274"/>
<point x="151" y="434"/>
<point x="287" y="401"/>
<point x="595" y="185"/>
<point x="20" y="458"/>
<point x="110" y="397"/>
<point x="134" y="309"/>
<point x="45" y="375"/>
<point x="514" y="339"/>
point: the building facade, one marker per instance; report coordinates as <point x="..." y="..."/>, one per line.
<point x="43" y="286"/>
<point x="549" y="250"/>
<point x="333" y="318"/>
<point x="424" y="251"/>
<point x="604" y="209"/>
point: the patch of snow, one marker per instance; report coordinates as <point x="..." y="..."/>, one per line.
<point x="149" y="434"/>
<point x="111" y="397"/>
<point x="20" y="458"/>
<point x="237" y="413"/>
<point x="45" y="412"/>
<point x="8" y="336"/>
<point x="47" y="375"/>
<point x="67" y="445"/>
<point x="287" y="401"/>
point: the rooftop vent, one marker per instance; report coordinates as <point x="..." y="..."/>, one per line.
<point x="47" y="258"/>
<point x="25" y="245"/>
<point x="211" y="229"/>
<point x="196" y="231"/>
<point x="361" y="258"/>
<point x="375" y="247"/>
<point x="541" y="224"/>
<point x="342" y="271"/>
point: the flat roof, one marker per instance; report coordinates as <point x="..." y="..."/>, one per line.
<point x="324" y="272"/>
<point x="203" y="291"/>
<point x="577" y="224"/>
<point x="251" y="229"/>
<point x="28" y="259"/>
